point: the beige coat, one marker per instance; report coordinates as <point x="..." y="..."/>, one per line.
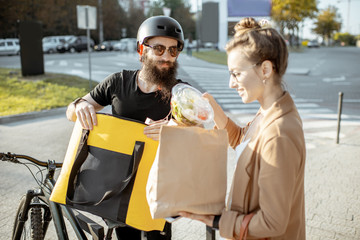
<point x="269" y="177"/>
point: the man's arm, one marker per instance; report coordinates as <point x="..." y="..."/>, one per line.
<point x="85" y="110"/>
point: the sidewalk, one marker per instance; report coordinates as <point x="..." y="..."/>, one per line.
<point x="332" y="186"/>
<point x="332" y="189"/>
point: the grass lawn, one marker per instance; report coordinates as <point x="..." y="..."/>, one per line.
<point x="35" y="93"/>
<point x="212" y="56"/>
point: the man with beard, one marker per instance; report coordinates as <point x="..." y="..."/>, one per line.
<point x="139" y="94"/>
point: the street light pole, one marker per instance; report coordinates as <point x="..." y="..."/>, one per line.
<point x="101" y="32"/>
<point x="348" y="17"/>
<point x="197" y="25"/>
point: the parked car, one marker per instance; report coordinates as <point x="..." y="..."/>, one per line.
<point x="75" y="44"/>
<point x="105" y="45"/>
<point x="9" y="46"/>
<point x="126" y="45"/>
<point x="50" y="43"/>
<point x="313" y="44"/>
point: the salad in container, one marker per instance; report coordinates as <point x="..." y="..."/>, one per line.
<point x="188" y="107"/>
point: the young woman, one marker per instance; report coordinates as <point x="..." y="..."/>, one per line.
<point x="268" y="184"/>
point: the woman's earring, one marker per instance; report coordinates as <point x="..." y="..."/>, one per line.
<point x="264" y="81"/>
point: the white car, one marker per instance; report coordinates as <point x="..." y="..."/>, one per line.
<point x="9" y="46"/>
<point x="50" y="43"/>
<point x="126" y="45"/>
<point x="313" y="44"/>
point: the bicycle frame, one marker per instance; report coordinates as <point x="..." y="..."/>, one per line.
<point x="57" y="212"/>
<point x="53" y="211"/>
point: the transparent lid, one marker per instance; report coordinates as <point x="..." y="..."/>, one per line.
<point x="189" y="107"/>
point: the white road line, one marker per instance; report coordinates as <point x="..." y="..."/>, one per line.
<point x="296" y="100"/>
<point x="334" y="79"/>
<point x="351" y="100"/>
<point x="230" y="100"/>
<point x="312" y="110"/>
<point x="239" y="106"/>
<point x="49" y="63"/>
<point x="63" y="63"/>
<point x="244" y="111"/>
<point x="221" y="91"/>
<point x="226" y="96"/>
<point x="77" y="64"/>
<point x="342" y="83"/>
<point x="306" y="105"/>
<point x="327" y="124"/>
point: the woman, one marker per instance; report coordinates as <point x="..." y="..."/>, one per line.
<point x="268" y="184"/>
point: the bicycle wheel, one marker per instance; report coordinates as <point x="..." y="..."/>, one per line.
<point x="32" y="228"/>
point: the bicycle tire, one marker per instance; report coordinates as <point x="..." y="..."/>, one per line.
<point x="33" y="226"/>
<point x="36" y="223"/>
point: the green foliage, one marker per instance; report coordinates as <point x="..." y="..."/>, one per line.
<point x="58" y="17"/>
<point x="21" y="95"/>
<point x="328" y="22"/>
<point x="345" y="39"/>
<point x="289" y="13"/>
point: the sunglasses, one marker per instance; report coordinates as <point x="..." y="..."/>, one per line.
<point x="159" y="50"/>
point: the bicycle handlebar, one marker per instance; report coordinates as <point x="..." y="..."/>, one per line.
<point x="12" y="157"/>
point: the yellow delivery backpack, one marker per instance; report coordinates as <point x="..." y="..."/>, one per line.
<point x="105" y="172"/>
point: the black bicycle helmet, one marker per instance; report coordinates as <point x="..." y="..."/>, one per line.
<point x="160" y="26"/>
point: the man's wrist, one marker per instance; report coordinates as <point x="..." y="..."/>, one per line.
<point x="70" y="111"/>
<point x="78" y="100"/>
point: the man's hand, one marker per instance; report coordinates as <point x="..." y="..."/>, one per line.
<point x="84" y="109"/>
<point x="86" y="114"/>
<point x="153" y="129"/>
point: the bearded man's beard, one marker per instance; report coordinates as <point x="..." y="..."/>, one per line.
<point x="164" y="78"/>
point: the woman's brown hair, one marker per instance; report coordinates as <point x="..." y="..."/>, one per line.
<point x="260" y="43"/>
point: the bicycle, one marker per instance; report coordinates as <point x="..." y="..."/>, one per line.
<point x="36" y="211"/>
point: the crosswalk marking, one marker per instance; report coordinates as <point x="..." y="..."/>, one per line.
<point x="63" y="63"/>
<point x="318" y="122"/>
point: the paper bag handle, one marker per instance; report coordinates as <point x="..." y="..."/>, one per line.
<point x="245" y="225"/>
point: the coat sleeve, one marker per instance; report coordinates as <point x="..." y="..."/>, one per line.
<point x="280" y="166"/>
<point x="235" y="133"/>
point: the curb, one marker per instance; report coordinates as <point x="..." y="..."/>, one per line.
<point x="32" y="115"/>
<point x="298" y="71"/>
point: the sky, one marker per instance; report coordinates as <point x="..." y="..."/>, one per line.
<point x="348" y="15"/>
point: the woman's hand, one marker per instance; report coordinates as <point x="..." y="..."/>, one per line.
<point x="220" y="117"/>
<point x="153" y="129"/>
<point x="207" y="219"/>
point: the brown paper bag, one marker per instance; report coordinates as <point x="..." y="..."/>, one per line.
<point x="189" y="172"/>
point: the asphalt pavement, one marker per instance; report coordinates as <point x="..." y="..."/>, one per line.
<point x="332" y="181"/>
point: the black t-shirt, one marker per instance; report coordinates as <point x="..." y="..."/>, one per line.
<point x="120" y="90"/>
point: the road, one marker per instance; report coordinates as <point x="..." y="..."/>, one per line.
<point x="314" y="79"/>
<point x="315" y="75"/>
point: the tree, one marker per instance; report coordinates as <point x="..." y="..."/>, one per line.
<point x="114" y="19"/>
<point x="180" y="11"/>
<point x="289" y="14"/>
<point x="328" y="22"/>
<point x="345" y="39"/>
<point x="58" y="17"/>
